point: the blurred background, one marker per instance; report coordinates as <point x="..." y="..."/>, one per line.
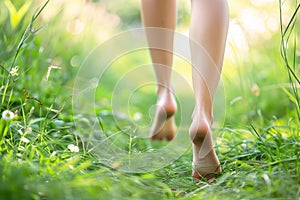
<point x="254" y="76"/>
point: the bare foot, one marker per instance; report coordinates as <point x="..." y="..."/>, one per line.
<point x="163" y="126"/>
<point x="206" y="164"/>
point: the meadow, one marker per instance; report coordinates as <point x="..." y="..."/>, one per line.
<point x="58" y="143"/>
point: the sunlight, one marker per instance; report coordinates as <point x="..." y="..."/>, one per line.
<point x="237" y="40"/>
<point x="253" y="20"/>
<point x="261" y="2"/>
<point x="75" y="27"/>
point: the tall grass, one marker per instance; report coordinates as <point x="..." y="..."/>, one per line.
<point x="288" y="48"/>
<point x="29" y="32"/>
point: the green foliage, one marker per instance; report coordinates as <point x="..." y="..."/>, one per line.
<point x="289" y="41"/>
<point x="43" y="157"/>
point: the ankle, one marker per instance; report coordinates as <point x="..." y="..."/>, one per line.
<point x="164" y="90"/>
<point x="203" y="115"/>
<point x="199" y="129"/>
<point x="166" y="101"/>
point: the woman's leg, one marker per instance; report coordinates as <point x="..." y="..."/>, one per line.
<point x="208" y="31"/>
<point x="159" y="16"/>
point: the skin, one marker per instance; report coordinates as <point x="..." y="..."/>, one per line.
<point x="208" y="32"/>
<point x="162" y="14"/>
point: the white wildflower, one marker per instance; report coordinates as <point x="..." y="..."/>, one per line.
<point x="73" y="148"/>
<point x="28" y="129"/>
<point x="19" y="155"/>
<point x="14" y="71"/>
<point x="20" y="131"/>
<point x="25" y="140"/>
<point x="8" y="115"/>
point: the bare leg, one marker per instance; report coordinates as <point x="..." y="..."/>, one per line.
<point x="160" y="17"/>
<point x="209" y="24"/>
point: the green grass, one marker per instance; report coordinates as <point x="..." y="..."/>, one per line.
<point x="258" y="145"/>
